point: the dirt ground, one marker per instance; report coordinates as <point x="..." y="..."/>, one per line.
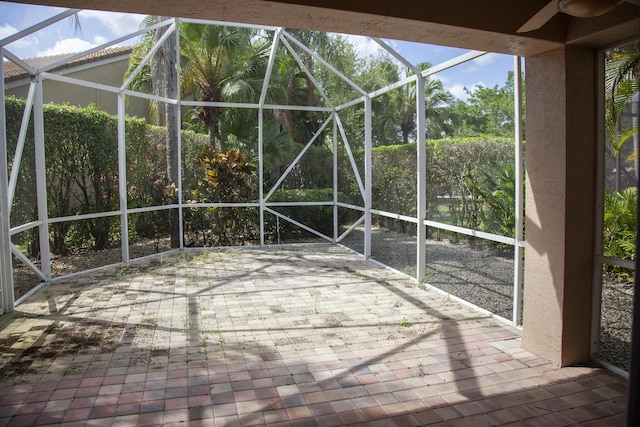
<point x="24" y="279"/>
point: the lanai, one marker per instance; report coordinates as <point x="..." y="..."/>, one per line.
<point x="565" y="48"/>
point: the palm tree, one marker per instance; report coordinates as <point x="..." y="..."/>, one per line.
<point x="380" y="73"/>
<point x="440" y="120"/>
<point x="438" y="114"/>
<point x="220" y="64"/>
<point x="622" y="69"/>
<point x="172" y="123"/>
<point x="150" y="78"/>
<point x="403" y="111"/>
<point x="300" y="88"/>
<point x="397" y="110"/>
<point x="160" y="78"/>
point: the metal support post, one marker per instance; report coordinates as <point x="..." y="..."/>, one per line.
<point x="368" y="164"/>
<point x="179" y="126"/>
<point x="519" y="196"/>
<point x="335" y="178"/>
<point x="122" y="179"/>
<point x="7" y="302"/>
<point x="41" y="181"/>
<point x="633" y="398"/>
<point x="421" y="185"/>
<point x="261" y="175"/>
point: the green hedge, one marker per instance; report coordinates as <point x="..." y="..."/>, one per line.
<point x="619" y="234"/>
<point x="458" y="178"/>
<point x="82" y="177"/>
<point x="319" y="218"/>
<point x="81" y="150"/>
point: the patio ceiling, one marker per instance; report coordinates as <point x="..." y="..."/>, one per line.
<point x="488" y="26"/>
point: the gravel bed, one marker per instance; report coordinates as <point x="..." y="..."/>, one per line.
<point x="484" y="277"/>
<point x="474" y="272"/>
<point x="615" y="324"/>
<point x="85" y="259"/>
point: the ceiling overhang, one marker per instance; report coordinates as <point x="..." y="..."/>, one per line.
<point x="488" y="26"/>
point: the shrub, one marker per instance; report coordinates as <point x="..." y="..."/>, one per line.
<point x="455" y="170"/>
<point x="496" y="190"/>
<point x="82" y="173"/>
<point x="314" y="169"/>
<point x="619" y="233"/>
<point x="82" y="177"/>
<point x="225" y="177"/>
<point x="319" y="218"/>
<point x="81" y="146"/>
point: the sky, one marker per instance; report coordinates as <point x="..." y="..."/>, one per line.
<point x="97" y="28"/>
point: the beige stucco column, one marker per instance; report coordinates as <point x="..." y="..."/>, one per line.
<point x="560" y="161"/>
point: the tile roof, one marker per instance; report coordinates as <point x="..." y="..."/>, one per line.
<point x="14" y="72"/>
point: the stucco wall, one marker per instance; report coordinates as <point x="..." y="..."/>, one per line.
<point x="110" y="74"/>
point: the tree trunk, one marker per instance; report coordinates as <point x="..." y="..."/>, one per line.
<point x="405" y="134"/>
<point x="158" y="82"/>
<point x="170" y="80"/>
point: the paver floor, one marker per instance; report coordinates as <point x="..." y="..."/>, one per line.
<point x="309" y="335"/>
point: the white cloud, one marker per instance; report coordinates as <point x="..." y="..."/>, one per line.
<point x="7" y="30"/>
<point x="458" y="91"/>
<point x="365" y="47"/>
<point x="71" y="45"/>
<point x="119" y="24"/>
<point x="98" y="40"/>
<point x="489" y="58"/>
<point x="480" y="62"/>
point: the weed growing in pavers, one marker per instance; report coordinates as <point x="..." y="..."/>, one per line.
<point x="490" y="325"/>
<point x="409" y="283"/>
<point x="122" y="271"/>
<point x="405" y="323"/>
<point x="203" y="342"/>
<point x="315" y="294"/>
<point x="187" y="324"/>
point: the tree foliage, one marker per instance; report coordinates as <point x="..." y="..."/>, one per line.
<point x="487" y="111"/>
<point x="622" y="68"/>
<point x="619" y="228"/>
<point x="229" y="64"/>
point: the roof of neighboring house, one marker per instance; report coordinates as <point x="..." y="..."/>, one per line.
<point x="13" y="72"/>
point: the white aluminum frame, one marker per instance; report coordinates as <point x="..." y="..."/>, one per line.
<point x="7" y="299"/>
<point x="280" y="38"/>
<point x="518" y="271"/>
<point x="599" y="259"/>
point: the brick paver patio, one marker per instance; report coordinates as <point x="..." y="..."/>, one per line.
<point x="305" y="335"/>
